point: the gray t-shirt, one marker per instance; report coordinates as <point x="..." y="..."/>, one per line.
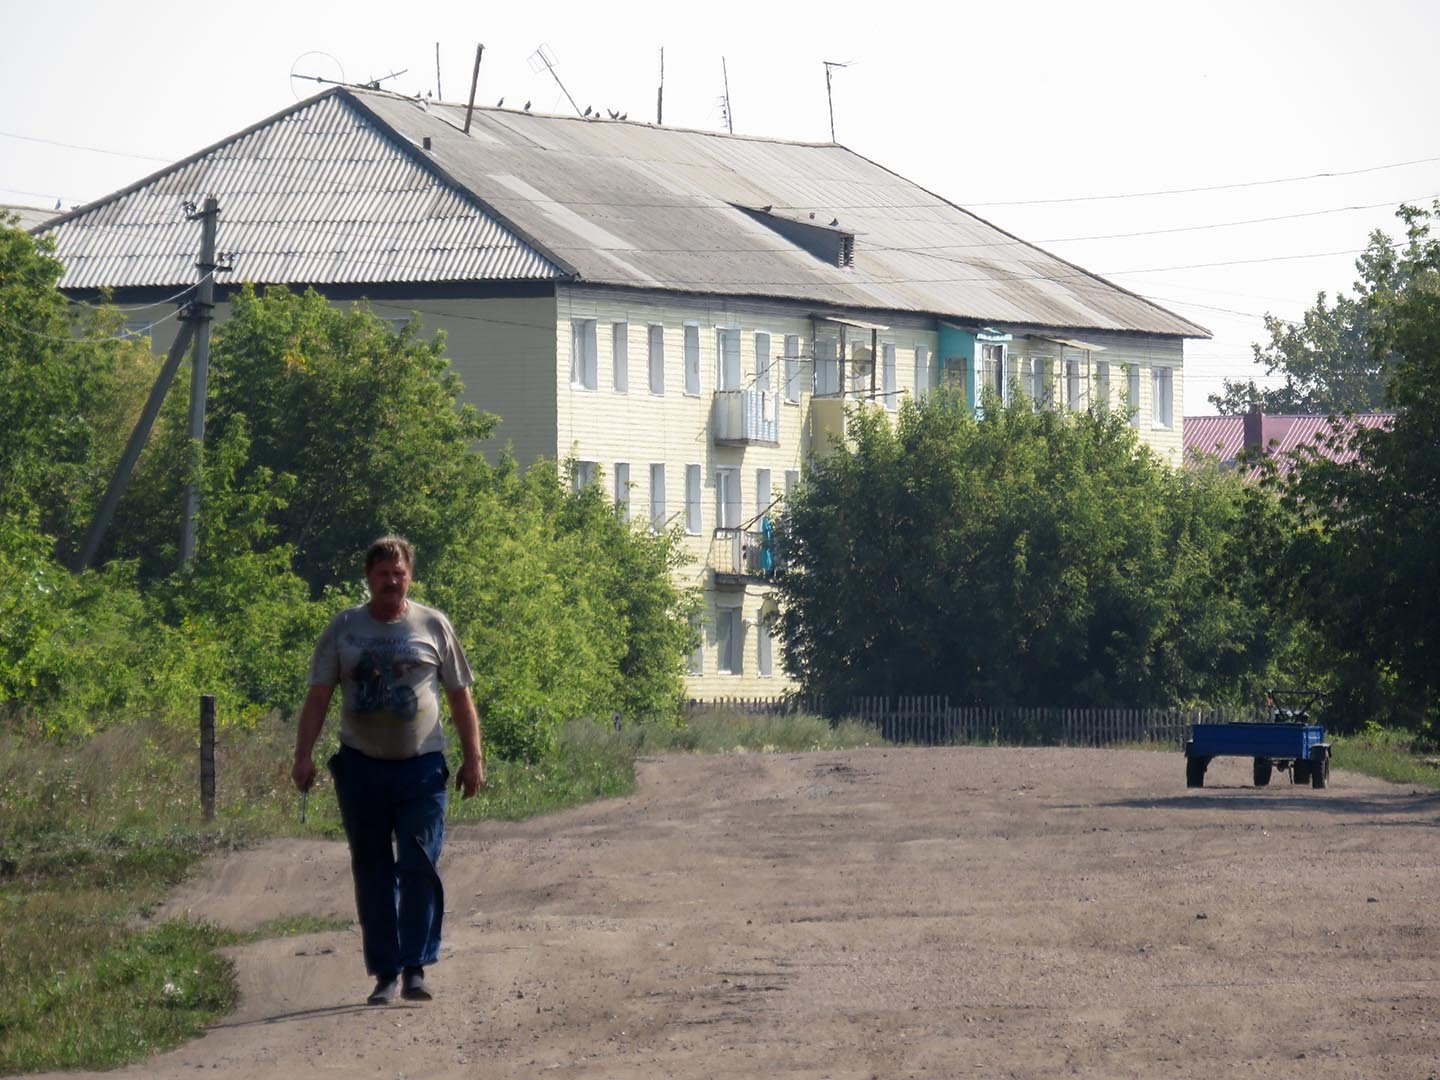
<point x="390" y="675"/>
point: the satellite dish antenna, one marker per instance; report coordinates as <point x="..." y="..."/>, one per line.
<point x="314" y="67"/>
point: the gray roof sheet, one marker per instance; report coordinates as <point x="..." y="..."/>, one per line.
<point x="340" y="189"/>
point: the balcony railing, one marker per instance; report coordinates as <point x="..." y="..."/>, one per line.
<point x="747" y="416"/>
<point x="740" y="555"/>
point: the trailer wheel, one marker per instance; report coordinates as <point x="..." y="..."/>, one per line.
<point x="1320" y="772"/>
<point x="1195" y="771"/>
<point x="1264" y="767"/>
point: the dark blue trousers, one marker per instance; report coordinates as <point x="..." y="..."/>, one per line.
<point x="394" y="815"/>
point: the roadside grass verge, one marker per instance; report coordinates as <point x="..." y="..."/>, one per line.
<point x="1397" y="756"/>
<point x="93" y="835"/>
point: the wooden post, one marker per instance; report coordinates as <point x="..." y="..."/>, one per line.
<point x="207" y="756"/>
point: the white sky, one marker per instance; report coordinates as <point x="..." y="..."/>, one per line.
<point x="997" y="107"/>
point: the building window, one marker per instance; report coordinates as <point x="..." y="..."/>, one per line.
<point x="1040" y="380"/>
<point x="764" y="650"/>
<point x="922" y="371"/>
<point x="657" y="498"/>
<point x="695" y="664"/>
<point x="582" y="354"/>
<point x="583" y="475"/>
<point x="792" y="481"/>
<point x="1132" y="393"/>
<point x="692" y="499"/>
<point x="762" y="361"/>
<point x="1162" y="402"/>
<point x="727" y="498"/>
<point x="1102" y="384"/>
<point x="692" y="358"/>
<point x="827" y="367"/>
<point x="793" y="368"/>
<point x="620" y="355"/>
<point x="763" y="494"/>
<point x="657" y="360"/>
<point x="887" y="375"/>
<point x="992" y="371"/>
<point x="862" y="372"/>
<point x="729" y="641"/>
<point x="727" y="360"/>
<point x="622" y="489"/>
<point x="1075" y="370"/>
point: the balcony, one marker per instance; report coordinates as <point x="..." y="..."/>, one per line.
<point x="745" y="417"/>
<point x="738" y="556"/>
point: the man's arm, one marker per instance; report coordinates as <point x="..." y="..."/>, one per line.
<point x="312" y="719"/>
<point x="467" y="727"/>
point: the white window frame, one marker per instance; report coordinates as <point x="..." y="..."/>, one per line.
<point x="763" y="494"/>
<point x="585" y="474"/>
<point x="887" y="375"/>
<point x="694" y="483"/>
<point x="729" y="364"/>
<point x="794" y="369"/>
<point x="764" y="361"/>
<point x="1132" y="393"/>
<point x="657" y="497"/>
<point x="655" y="344"/>
<point x="620" y="356"/>
<point x="994" y="371"/>
<point x="583" y="361"/>
<point x="729" y="641"/>
<point x="827" y="367"/>
<point x="1162" y="397"/>
<point x="1041" y="377"/>
<point x="922" y="372"/>
<point x="692" y="359"/>
<point x="1102" y="385"/>
<point x="792" y="481"/>
<point x="764" y="648"/>
<point x="729" y="509"/>
<point x="622" y="488"/>
<point x="1077" y="367"/>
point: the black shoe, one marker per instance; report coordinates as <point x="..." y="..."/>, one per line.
<point x="415" y="988"/>
<point x="387" y="989"/>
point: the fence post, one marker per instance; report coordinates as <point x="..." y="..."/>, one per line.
<point x="207" y="756"/>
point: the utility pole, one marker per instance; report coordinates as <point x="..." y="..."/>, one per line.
<point x="474" y="83"/>
<point x="660" y="94"/>
<point x="729" y="117"/>
<point x="201" y="313"/>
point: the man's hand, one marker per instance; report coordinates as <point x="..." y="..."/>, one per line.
<point x="471" y="777"/>
<point x="303" y="772"/>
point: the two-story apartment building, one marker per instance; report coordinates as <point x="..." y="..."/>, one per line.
<point x="685" y="313"/>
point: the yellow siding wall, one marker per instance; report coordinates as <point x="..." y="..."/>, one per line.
<point x="640" y="428"/>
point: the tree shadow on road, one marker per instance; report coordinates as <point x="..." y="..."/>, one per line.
<point x="306" y="1014"/>
<point x="1242" y="798"/>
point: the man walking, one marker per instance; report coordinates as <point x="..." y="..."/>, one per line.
<point x="391" y="658"/>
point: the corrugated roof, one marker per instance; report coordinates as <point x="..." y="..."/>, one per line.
<point x="1281" y="434"/>
<point x="318" y="194"/>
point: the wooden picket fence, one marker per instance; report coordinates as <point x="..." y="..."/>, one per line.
<point x="934" y="721"/>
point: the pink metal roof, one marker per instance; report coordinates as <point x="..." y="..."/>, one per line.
<point x="1225" y="436"/>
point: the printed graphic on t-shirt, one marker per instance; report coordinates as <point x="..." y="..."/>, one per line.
<point x="381" y="675"/>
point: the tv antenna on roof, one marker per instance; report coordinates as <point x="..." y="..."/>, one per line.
<point x="321" y="68"/>
<point x="371" y="84"/>
<point x="829" y="100"/>
<point x="543" y="57"/>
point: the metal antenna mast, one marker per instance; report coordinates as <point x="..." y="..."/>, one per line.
<point x="729" y="116"/>
<point x="830" y="100"/>
<point x="547" y="58"/>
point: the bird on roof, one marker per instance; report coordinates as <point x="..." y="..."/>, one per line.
<point x="500" y="103"/>
<point x="527" y="106"/>
<point x="613" y="114"/>
<point x="835" y="221"/>
<point x="587" y="111"/>
<point x="767" y="209"/>
<point x="624" y="116"/>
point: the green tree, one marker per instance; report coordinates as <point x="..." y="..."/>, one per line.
<point x="1362" y="565"/>
<point x="1333" y="359"/>
<point x="1017" y="558"/>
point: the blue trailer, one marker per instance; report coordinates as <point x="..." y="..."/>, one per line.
<point x="1288" y="741"/>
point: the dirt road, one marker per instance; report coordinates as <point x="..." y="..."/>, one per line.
<point x="881" y="913"/>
